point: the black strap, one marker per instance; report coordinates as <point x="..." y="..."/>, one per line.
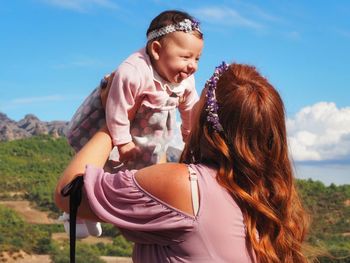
<point x="74" y="191"/>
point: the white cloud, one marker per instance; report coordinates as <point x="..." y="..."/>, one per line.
<point x="317" y="133"/>
<point x="342" y="32"/>
<point x="294" y="35"/>
<point x="226" y="16"/>
<point x="320" y="132"/>
<point x="31" y="100"/>
<point x="79" y="62"/>
<point x="256" y="11"/>
<point x="81" y="5"/>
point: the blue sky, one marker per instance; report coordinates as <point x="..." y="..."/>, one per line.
<point x="54" y="52"/>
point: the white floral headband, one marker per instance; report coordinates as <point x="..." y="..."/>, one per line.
<point x="185" y="25"/>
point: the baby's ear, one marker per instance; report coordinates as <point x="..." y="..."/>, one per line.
<point x="155" y="48"/>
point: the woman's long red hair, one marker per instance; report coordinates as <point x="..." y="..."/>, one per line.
<point x="253" y="163"/>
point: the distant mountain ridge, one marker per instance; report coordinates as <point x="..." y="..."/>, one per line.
<point x="29" y="126"/>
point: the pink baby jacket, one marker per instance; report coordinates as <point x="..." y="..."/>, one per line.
<point x="136" y="84"/>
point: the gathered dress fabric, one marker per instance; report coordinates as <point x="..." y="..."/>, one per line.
<point x="162" y="233"/>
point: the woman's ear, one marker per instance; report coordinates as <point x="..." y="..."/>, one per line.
<point x="155" y="48"/>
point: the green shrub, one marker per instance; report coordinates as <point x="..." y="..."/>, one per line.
<point x="17" y="234"/>
<point x="84" y="253"/>
<point x="33" y="166"/>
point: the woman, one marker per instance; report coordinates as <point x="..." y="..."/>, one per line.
<point x="231" y="199"/>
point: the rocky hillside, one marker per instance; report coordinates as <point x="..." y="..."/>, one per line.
<point x="30" y="125"/>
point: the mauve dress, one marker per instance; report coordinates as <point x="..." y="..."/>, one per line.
<point x="163" y="233"/>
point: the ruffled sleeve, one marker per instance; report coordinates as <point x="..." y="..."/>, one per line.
<point x="118" y="199"/>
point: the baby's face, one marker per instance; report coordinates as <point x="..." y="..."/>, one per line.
<point x="179" y="54"/>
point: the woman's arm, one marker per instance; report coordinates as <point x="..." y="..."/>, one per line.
<point x="165" y="181"/>
<point x="95" y="152"/>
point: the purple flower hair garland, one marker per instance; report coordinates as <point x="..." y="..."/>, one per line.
<point x="211" y="106"/>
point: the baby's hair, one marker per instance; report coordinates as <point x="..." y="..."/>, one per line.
<point x="171" y="17"/>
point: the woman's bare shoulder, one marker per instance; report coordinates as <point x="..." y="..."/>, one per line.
<point x="168" y="182"/>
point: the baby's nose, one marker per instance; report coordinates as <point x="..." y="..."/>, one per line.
<point x="192" y="66"/>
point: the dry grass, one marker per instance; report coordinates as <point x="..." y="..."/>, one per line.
<point x="34" y="216"/>
<point x="28" y="213"/>
<point x="63" y="237"/>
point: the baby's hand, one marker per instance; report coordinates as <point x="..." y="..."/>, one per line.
<point x="128" y="152"/>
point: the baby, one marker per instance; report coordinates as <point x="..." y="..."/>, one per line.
<point x="145" y="92"/>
